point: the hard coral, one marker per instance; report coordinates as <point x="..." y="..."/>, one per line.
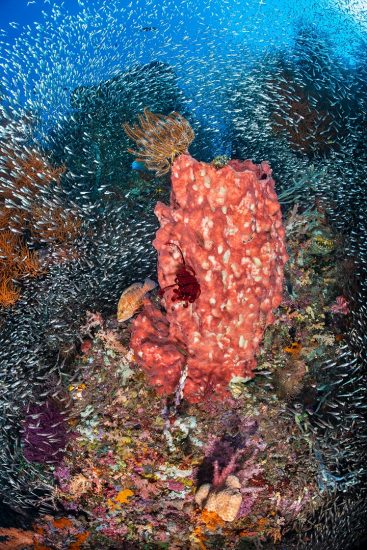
<point x="225" y="502"/>
<point x="227" y="228"/>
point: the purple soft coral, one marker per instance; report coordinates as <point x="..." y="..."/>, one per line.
<point x="44" y="433"/>
<point x="234" y="454"/>
<point x="219" y="477"/>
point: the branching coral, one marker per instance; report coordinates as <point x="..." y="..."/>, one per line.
<point x="232" y="461"/>
<point x="29" y="171"/>
<point x="54" y="225"/>
<point x="8" y="293"/>
<point x="304" y="116"/>
<point x="30" y="213"/>
<point x="16" y="261"/>
<point x="160" y="139"/>
<point x="23" y="175"/>
<point x="25" y="178"/>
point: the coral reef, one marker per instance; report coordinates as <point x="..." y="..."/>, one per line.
<point x="17" y="261"/>
<point x="243" y="470"/>
<point x="226" y="502"/>
<point x="139" y="474"/>
<point x="302" y="98"/>
<point x="51" y="531"/>
<point x="227" y="261"/>
<point x="82" y="267"/>
<point x="91" y="141"/>
<point x="287" y="96"/>
<point x="15" y="539"/>
<point x="23" y="175"/>
<point x="32" y="216"/>
<point x="39" y="337"/>
<point x="230" y="495"/>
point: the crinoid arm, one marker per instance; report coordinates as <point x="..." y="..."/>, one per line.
<point x="160" y="139"/>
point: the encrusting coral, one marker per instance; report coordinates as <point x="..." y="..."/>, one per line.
<point x="221" y="256"/>
<point x="160" y="139"/>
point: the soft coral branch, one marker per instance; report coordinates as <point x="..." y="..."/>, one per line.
<point x="219" y="477"/>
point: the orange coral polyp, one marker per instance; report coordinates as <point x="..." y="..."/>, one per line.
<point x="9" y="241"/>
<point x="28" y="263"/>
<point x="23" y="175"/>
<point x="8" y="293"/>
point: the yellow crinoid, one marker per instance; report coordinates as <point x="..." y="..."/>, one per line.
<point x="160" y="139"/>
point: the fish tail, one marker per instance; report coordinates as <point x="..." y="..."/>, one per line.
<point x="149" y="284"/>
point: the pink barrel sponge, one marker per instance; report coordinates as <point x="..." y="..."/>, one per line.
<point x="222" y="231"/>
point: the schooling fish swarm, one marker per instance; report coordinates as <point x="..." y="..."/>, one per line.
<point x="246" y="468"/>
<point x="300" y="108"/>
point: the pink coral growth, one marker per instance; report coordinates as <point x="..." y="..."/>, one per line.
<point x="341" y="306"/>
<point x="220" y="476"/>
<point x="227" y="228"/>
<point x="234" y="455"/>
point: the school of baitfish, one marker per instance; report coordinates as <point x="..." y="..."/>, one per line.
<point x="250" y="90"/>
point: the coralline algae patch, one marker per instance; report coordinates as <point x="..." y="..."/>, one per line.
<point x="141" y="469"/>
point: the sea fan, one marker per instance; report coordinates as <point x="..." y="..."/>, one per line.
<point x="225" y="455"/>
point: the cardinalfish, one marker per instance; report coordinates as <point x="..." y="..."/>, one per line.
<point x="132" y="299"/>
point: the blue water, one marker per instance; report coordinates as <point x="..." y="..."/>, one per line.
<point x="331" y="16"/>
<point x="196" y="38"/>
<point x="259" y="23"/>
